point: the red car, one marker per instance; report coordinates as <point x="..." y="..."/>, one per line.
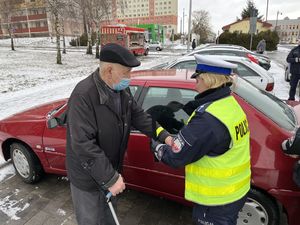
<point x="35" y="148"/>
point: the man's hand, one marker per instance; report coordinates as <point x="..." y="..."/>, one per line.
<point x="157" y="149"/>
<point x="297" y="59"/>
<point x="118" y="187"/>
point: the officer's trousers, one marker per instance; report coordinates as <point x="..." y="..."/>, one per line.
<point x="218" y="215"/>
<point x="293" y="83"/>
<point x="91" y="208"/>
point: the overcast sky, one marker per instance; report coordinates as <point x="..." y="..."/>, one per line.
<point x="225" y="12"/>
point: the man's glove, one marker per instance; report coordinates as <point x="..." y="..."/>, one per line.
<point x="297" y="59"/>
<point x="157" y="149"/>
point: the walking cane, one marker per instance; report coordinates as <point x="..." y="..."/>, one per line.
<point x="108" y="196"/>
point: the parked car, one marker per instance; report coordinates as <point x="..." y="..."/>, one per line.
<point x="241" y="48"/>
<point x="155" y="45"/>
<point x="34" y="148"/>
<point x="246" y="69"/>
<point x="215" y="50"/>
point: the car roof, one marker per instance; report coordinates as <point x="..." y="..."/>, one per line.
<point x="224" y="57"/>
<point x="167" y="75"/>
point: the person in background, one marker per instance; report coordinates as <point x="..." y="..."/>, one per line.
<point x="293" y="59"/>
<point x="214" y="147"/>
<point x="194" y="44"/>
<point x="261" y="46"/>
<point x="101" y="111"/>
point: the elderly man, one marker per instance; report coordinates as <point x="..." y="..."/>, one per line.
<point x="101" y="111"/>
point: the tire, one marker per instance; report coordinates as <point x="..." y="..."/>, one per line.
<point x="158" y="49"/>
<point x="259" y="209"/>
<point x="26" y="163"/>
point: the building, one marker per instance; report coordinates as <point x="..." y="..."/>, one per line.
<point x="131" y="12"/>
<point x="243" y="26"/>
<point x="31" y="18"/>
<point x="154" y="32"/>
<point x="288" y="29"/>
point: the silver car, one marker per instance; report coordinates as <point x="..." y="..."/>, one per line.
<point x="246" y="69"/>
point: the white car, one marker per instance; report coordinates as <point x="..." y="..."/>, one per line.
<point x="246" y="69"/>
<point x="155" y="45"/>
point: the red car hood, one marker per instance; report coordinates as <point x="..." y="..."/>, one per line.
<point x="35" y="113"/>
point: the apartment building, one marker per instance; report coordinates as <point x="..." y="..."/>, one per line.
<point x="31" y="18"/>
<point x="131" y="12"/>
<point x="288" y="29"/>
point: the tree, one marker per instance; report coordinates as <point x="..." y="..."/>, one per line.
<point x="247" y="12"/>
<point x="92" y="12"/>
<point x="6" y="9"/>
<point x="56" y="8"/>
<point x="201" y="25"/>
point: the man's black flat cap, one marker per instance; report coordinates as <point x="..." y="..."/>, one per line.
<point x="115" y="53"/>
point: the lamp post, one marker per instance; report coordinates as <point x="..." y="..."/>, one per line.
<point x="189" y="27"/>
<point x="267" y="10"/>
<point x="277" y="19"/>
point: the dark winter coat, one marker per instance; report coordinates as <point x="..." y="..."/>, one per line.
<point x="97" y="136"/>
<point x="294" y="66"/>
<point x="194" y="44"/>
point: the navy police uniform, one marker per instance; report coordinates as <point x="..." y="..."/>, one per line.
<point x="204" y="135"/>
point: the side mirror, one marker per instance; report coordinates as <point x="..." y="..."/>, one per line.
<point x="52" y="123"/>
<point x="292" y="145"/>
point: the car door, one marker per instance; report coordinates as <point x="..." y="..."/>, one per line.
<point x="54" y="140"/>
<point x="140" y="168"/>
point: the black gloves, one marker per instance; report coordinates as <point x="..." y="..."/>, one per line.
<point x="157" y="149"/>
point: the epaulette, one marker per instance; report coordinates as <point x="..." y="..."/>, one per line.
<point x="201" y="109"/>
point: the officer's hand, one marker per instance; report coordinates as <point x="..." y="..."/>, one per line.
<point x="169" y="140"/>
<point x="297" y="59"/>
<point x="118" y="187"/>
<point x="157" y="149"/>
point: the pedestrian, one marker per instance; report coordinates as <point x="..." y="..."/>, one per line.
<point x="101" y="111"/>
<point x="214" y="147"/>
<point x="293" y="59"/>
<point x="261" y="46"/>
<point x="194" y="44"/>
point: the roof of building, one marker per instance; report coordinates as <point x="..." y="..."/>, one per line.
<point x="264" y="24"/>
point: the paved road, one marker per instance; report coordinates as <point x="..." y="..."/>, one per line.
<point x="49" y="203"/>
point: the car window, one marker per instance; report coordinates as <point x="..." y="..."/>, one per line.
<point x="268" y="104"/>
<point x="165" y="106"/>
<point x="133" y="89"/>
<point x="243" y="70"/>
<point x="224" y="53"/>
<point x="185" y="65"/>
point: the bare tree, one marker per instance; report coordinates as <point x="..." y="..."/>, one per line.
<point x="56" y="8"/>
<point x="201" y="25"/>
<point x="92" y="12"/>
<point x="7" y="8"/>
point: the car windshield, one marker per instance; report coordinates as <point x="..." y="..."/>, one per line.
<point x="160" y="66"/>
<point x="270" y="105"/>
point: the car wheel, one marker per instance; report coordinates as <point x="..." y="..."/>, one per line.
<point x="259" y="209"/>
<point x="158" y="49"/>
<point x="26" y="163"/>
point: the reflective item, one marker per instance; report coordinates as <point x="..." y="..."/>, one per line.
<point x="123" y="84"/>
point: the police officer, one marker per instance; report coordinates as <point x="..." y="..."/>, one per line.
<point x="294" y="59"/>
<point x="213" y="147"/>
<point x="101" y="111"/>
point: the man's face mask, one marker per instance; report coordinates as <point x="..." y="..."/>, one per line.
<point x="123" y="84"/>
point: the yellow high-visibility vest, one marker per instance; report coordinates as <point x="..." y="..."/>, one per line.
<point x="225" y="178"/>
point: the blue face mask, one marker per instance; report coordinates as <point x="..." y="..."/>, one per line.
<point x="123" y="84"/>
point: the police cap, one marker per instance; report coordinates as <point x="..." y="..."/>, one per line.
<point x="115" y="53"/>
<point x="211" y="64"/>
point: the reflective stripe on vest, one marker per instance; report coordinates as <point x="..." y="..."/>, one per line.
<point x="225" y="178"/>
